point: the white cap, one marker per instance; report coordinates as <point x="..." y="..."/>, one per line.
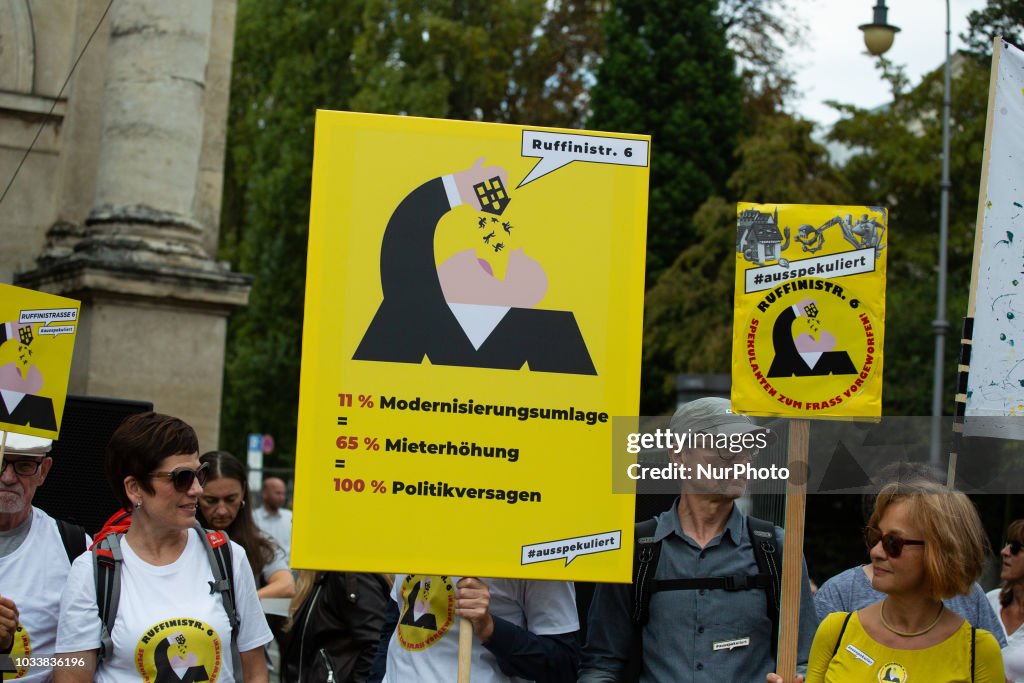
<point x="23" y="444"/>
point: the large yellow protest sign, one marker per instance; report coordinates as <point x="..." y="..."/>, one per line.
<point x="810" y="310"/>
<point x="472" y="323"/>
<point x="37" y="337"/>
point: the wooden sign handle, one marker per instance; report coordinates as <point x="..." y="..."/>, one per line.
<point x="792" y="552"/>
<point x="465" y="648"/>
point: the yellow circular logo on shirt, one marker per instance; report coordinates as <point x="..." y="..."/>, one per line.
<point x="892" y="673"/>
<point x="177" y="650"/>
<point x="21" y="648"/>
<point x="428" y="610"/>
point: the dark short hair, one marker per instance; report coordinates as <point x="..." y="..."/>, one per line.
<point x="139" y="444"/>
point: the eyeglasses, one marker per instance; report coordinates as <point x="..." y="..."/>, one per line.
<point x="1015" y="546"/>
<point x="182" y="477"/>
<point x="729" y="455"/>
<point x="23" y="468"/>
<point x="891" y="543"/>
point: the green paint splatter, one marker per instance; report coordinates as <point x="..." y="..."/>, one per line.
<point x="1002" y="337"/>
<point x="1015" y="283"/>
<point x="1010" y="315"/>
<point x="1018" y="204"/>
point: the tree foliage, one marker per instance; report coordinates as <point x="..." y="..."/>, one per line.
<point x="290" y="58"/>
<point x="998" y="18"/>
<point x="508" y="61"/>
<point x="898" y="163"/>
<point x="667" y="71"/>
<point x="689" y="311"/>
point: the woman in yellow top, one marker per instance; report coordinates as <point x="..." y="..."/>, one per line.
<point x="926" y="543"/>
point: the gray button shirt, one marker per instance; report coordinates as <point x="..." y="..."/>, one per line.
<point x="679" y="640"/>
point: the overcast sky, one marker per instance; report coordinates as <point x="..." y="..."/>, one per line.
<point x="834" y="65"/>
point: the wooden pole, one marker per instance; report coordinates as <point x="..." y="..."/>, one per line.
<point x="793" y="550"/>
<point x="465" y="648"/>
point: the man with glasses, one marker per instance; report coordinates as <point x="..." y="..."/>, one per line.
<point x="34" y="559"/>
<point x="851" y="589"/>
<point x="709" y="615"/>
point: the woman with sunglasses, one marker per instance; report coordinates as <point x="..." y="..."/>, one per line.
<point x="223" y="506"/>
<point x="1008" y="601"/>
<point x="926" y="543"/>
<point x="169" y="623"/>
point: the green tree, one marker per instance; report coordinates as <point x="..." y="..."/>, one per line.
<point x="897" y="163"/>
<point x="667" y="71"/>
<point x="290" y="58"/>
<point x="998" y="18"/>
<point x="510" y="60"/>
<point x="688" y="313"/>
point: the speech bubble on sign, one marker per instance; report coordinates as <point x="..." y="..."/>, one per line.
<point x="56" y="330"/>
<point x="571" y="548"/>
<point x="556" y="150"/>
<point x="48" y="315"/>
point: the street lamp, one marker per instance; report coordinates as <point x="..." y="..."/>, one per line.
<point x="879" y="34"/>
<point x="878" y="37"/>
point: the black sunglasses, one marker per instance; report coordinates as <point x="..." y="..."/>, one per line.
<point x="891" y="543"/>
<point x="1015" y="546"/>
<point x="182" y="477"/>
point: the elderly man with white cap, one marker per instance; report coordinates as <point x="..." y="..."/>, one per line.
<point x="34" y="561"/>
<point x="703" y="606"/>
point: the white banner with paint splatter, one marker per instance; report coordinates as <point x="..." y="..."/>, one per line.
<point x="995" y="386"/>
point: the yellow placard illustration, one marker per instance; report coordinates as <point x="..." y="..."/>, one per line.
<point x="37" y="337"/>
<point x="473" y="319"/>
<point x="810" y="310"/>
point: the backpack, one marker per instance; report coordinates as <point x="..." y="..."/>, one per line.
<point x="646" y="553"/>
<point x="73" y="538"/>
<point x="106" y="564"/>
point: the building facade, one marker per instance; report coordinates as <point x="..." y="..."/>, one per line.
<point x="116" y="193"/>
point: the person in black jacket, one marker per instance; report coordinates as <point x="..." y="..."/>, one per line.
<point x="334" y="628"/>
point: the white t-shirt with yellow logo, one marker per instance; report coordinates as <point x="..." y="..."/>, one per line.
<point x="169" y="628"/>
<point x="425" y="645"/>
<point x="33" y="576"/>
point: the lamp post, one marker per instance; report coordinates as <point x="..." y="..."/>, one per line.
<point x="879" y="34"/>
<point x="878" y="37"/>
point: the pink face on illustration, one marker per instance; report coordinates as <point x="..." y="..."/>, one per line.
<point x="11" y="379"/>
<point x="467" y="279"/>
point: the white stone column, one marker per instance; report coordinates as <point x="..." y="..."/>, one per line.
<point x="152" y="129"/>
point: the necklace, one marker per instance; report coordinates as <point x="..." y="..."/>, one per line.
<point x="905" y="634"/>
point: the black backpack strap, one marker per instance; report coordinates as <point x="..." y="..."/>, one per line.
<point x="73" y="538"/>
<point x="106" y="566"/>
<point x="973" y="633"/>
<point x="646" y="552"/>
<point x="739" y="582"/>
<point x="218" y="550"/>
<point x="766" y="552"/>
<point x="839" y="640"/>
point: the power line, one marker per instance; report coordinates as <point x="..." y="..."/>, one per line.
<point x="54" y="105"/>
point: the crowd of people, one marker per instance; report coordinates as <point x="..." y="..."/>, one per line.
<point x="170" y="589"/>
